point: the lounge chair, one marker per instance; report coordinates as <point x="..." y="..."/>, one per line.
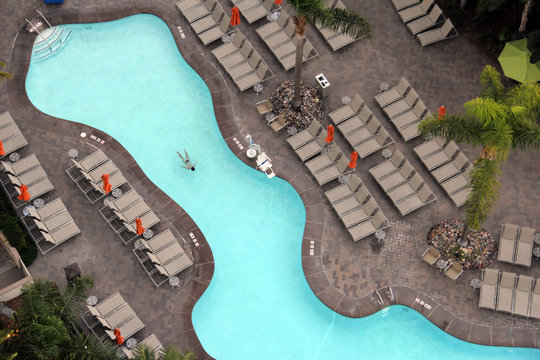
<point x="127" y="328"/>
<point x="92" y="161"/>
<point x="507" y="243"/>
<point x="6" y="119"/>
<point x="237" y="57"/>
<point x="197" y="12"/>
<point x="160" y="241"/>
<point x="332" y="172"/>
<point x="61" y="234"/>
<point x="186" y="5"/>
<point x="230" y="47"/>
<point x="279" y="123"/>
<point x="344" y="205"/>
<point x="256" y="77"/>
<point x="281" y="37"/>
<point x="209" y="21"/>
<point x="14" y="143"/>
<point x="389" y="166"/>
<point x="50" y="209"/>
<point x="400" y="106"/>
<point x="306" y="135"/>
<point x="415" y="11"/>
<point x="308" y="52"/>
<point x="246" y="67"/>
<point x="406" y="189"/>
<point x="346" y="111"/>
<point x="175" y="266"/>
<point x="324" y="160"/>
<point x="28" y="177"/>
<point x="488" y="288"/>
<point x="368" y="147"/>
<point x="402" y="4"/>
<point x="312" y="148"/>
<point x="264" y="107"/>
<point x="258" y="12"/>
<point x="10" y="134"/>
<point x="107" y="306"/>
<point x="407" y="122"/>
<point x="458" y="165"/>
<point x="356" y="122"/>
<point x="535" y="302"/>
<point x="150" y="342"/>
<point x="364" y="133"/>
<point x="457" y="182"/>
<point x="436" y="35"/>
<point x="341" y="40"/>
<point x="130" y="214"/>
<point x="426" y="21"/>
<point x="431" y="255"/>
<point x="343" y="191"/>
<point x="274" y="27"/>
<point x="459" y="198"/>
<point x="523" y="295"/>
<point x="148" y="220"/>
<point x="394" y="94"/>
<point x="442" y="157"/>
<point x="524" y="246"/>
<point x="397" y="177"/>
<point x="360" y="231"/>
<point x="216" y="32"/>
<point x="360" y="214"/>
<point x="126" y="200"/>
<point x="20" y="167"/>
<point x="430" y="147"/>
<point x="121" y="315"/>
<point x="108" y="167"/>
<point x="245" y="5"/>
<point x="166" y="254"/>
<point x="423" y="197"/>
<point x="36" y="189"/>
<point x="454" y="271"/>
<point x="505" y="293"/>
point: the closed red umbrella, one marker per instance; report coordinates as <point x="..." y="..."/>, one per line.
<point x="25" y="195"/>
<point x="2" y="152"/>
<point x="106" y="185"/>
<point x="278" y="2"/>
<point x="354" y="157"/>
<point x="118" y="337"/>
<point x="330" y="134"/>
<point x="442" y="111"/>
<point x="235" y="16"/>
<point x="140" y="229"/>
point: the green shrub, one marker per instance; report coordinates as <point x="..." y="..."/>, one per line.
<point x="15" y="232"/>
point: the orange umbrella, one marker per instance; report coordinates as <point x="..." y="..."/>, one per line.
<point x="2" y="152"/>
<point x="235" y="16"/>
<point x="354" y="157"/>
<point x="442" y="111"/>
<point x="330" y="136"/>
<point x="25" y="195"/>
<point x="119" y="339"/>
<point x="106" y="185"/>
<point x="278" y="2"/>
<point x="140" y="229"/>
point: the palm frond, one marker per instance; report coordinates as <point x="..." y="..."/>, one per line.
<point x="74" y="297"/>
<point x="526" y="135"/>
<point x="82" y="347"/>
<point x="143" y="352"/>
<point x="3" y="74"/>
<point x="492" y="87"/>
<point x="348" y="21"/>
<point x="528" y="97"/>
<point x="453" y="127"/>
<point x="486" y="111"/>
<point x="484" y="190"/>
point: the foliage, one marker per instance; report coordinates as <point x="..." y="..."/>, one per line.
<point x="5" y="334"/>
<point x="500" y="120"/>
<point x="3" y="74"/>
<point x="13" y="230"/>
<point x="533" y="44"/>
<point x="143" y="352"/>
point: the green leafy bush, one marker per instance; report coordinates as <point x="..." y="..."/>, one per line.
<point x="14" y="231"/>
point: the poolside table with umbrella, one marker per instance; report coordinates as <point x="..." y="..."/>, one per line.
<point x="515" y="62"/>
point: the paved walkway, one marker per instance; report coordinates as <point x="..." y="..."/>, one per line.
<point x="342" y="272"/>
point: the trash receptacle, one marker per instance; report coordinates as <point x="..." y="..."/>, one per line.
<point x="323" y="85"/>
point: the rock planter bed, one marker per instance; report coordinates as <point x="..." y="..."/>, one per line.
<point x="312" y="104"/>
<point x="478" y="254"/>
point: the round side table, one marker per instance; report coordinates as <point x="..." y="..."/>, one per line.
<point x="148" y="233"/>
<point x="73" y="153"/>
<point x="346" y="100"/>
<point x="383" y="86"/>
<point x="39" y="203"/>
<point x="174" y="282"/>
<point x="476" y="283"/>
<point x="131" y="343"/>
<point x="14" y="157"/>
<point x="380" y="234"/>
<point x="26" y="212"/>
<point x="258" y="88"/>
<point x="92" y="300"/>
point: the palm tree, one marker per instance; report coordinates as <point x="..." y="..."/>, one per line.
<point x="499" y="120"/>
<point x="3" y="74"/>
<point x="143" y="352"/>
<point x="315" y="11"/>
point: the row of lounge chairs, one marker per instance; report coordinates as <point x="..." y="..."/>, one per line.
<point x="516" y="244"/>
<point x="422" y="16"/>
<point x="432" y="255"/>
<point x="242" y="62"/>
<point x="280" y="38"/>
<point x="337" y="38"/>
<point x="449" y="166"/>
<point x="253" y="10"/>
<point x="207" y="18"/>
<point x="356" y="208"/>
<point x="10" y="135"/>
<point x="511" y="294"/>
<point x="404" y="108"/>
<point x="360" y="127"/>
<point x="402" y="183"/>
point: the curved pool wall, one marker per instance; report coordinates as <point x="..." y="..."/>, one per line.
<point x="258" y="304"/>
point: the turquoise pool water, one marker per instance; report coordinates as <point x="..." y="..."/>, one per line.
<point x="128" y="79"/>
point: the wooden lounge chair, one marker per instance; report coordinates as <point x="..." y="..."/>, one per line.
<point x="524" y="246"/>
<point x="209" y="21"/>
<point x="423" y="197"/>
<point x="430" y="147"/>
<point x="505" y="293"/>
<point x="216" y="32"/>
<point x="273" y="27"/>
<point x="151" y="342"/>
<point x="451" y="169"/>
<point x="160" y="241"/>
<point x="346" y="111"/>
<point x="107" y="306"/>
<point x="438" y="34"/>
<point x="368" y="147"/>
<point x="92" y="161"/>
<point x="343" y="191"/>
<point x="360" y="231"/>
<point x="454" y="271"/>
<point x="431" y="255"/>
<point x="394" y="94"/>
<point x="306" y="135"/>
<point x="197" y="12"/>
<point x="488" y="288"/>
<point x="402" y="4"/>
<point x="402" y="105"/>
<point x="360" y="214"/>
<point x="324" y="160"/>
<point x="426" y="21"/>
<point x="523" y="295"/>
<point x="388" y="166"/>
<point x="507" y="243"/>
<point x="331" y="172"/>
<point x="535" y="301"/>
<point x="312" y="148"/>
<point x="258" y="12"/>
<point x="415" y="11"/>
<point x="442" y="157"/>
<point x="20" y="167"/>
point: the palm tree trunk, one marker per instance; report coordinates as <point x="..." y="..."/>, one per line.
<point x="300" y="36"/>
<point x="464" y="240"/>
<point x="525" y="15"/>
<point x="462" y="4"/>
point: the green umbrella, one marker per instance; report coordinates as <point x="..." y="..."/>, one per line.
<point x="515" y="63"/>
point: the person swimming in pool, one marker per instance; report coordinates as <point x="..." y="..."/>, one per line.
<point x="187" y="163"/>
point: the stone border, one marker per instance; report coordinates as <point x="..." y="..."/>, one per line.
<point x="21" y="108"/>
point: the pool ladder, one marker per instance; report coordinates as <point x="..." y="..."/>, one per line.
<point x="376" y="298"/>
<point x="390" y="294"/>
<point x="51" y="40"/>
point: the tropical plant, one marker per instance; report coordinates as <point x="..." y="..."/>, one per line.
<point x="143" y="352"/>
<point x="5" y="334"/>
<point x="316" y="12"/>
<point x="500" y="120"/>
<point x="3" y="74"/>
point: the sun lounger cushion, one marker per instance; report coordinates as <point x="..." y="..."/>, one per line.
<point x="488" y="288"/>
<point x="505" y="293"/>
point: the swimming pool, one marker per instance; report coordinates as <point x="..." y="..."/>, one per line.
<point x="128" y="79"/>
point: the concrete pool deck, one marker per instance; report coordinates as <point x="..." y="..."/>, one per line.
<point x="341" y="273"/>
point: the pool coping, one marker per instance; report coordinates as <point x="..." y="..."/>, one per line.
<point x="21" y="108"/>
